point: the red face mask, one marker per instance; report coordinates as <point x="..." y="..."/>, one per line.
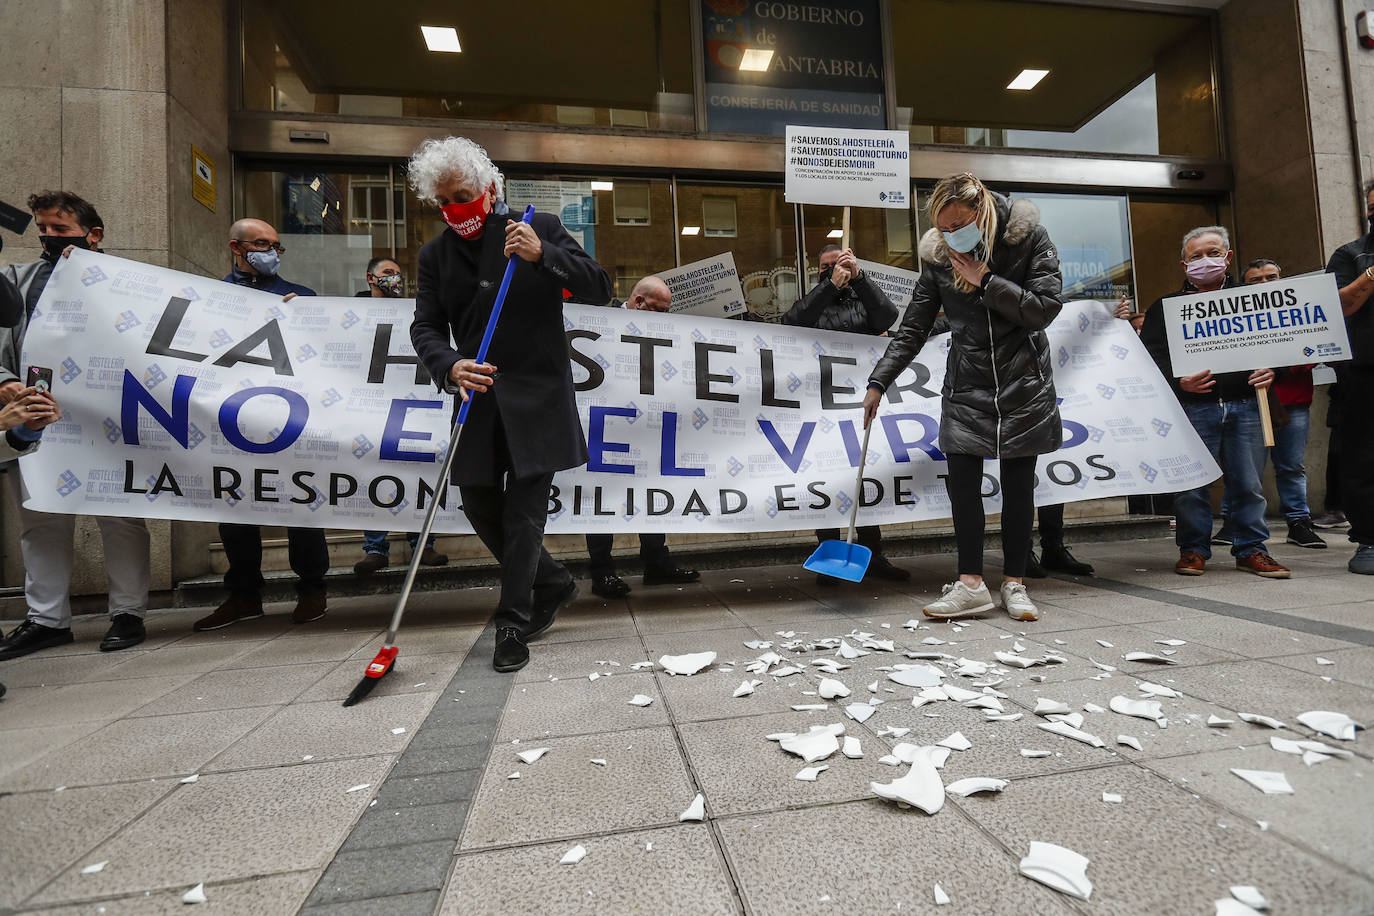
<point x="466" y="219"/>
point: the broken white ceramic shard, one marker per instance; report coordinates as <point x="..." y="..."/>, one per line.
<point x="1312" y="757"/>
<point x="1172" y="642"/>
<point x="932" y="641"/>
<point x="1018" y="661"/>
<point x="778" y="736"/>
<point x="515" y="775"/>
<point x="640" y="666"/>
<point x="919" y="788"/>
<point x="831" y="689"/>
<point x="1148" y="657"/>
<point x="194" y="895"/>
<point x="95" y="867"/>
<point x="956" y="742"/>
<point x="1059" y="868"/>
<point x="890" y="760"/>
<point x="1129" y="742"/>
<point x="809" y="774"/>
<point x="834" y="728"/>
<point x="746" y="688"/>
<point x="1261" y="720"/>
<point x="808" y="707"/>
<point x="1104" y="644"/>
<point x="1336" y="724"/>
<point x="1228" y="906"/>
<point x="696" y="811"/>
<point x="593" y="676"/>
<point x="688" y="664"/>
<point x="533" y="754"/>
<point x="574" y="855"/>
<point x="959" y="694"/>
<point x="1267" y="781"/>
<point x="1111" y="798"/>
<point x="1028" y="752"/>
<point x="1017" y="647"/>
<point x="1141" y="709"/>
<point x="599" y="761"/>
<point x="893" y="731"/>
<point x="969" y="668"/>
<point x="1001" y="717"/>
<point x="1324" y="661"/>
<point x="1101" y="666"/>
<point x="984" y="702"/>
<point x="785" y="671"/>
<point x="1074" y="718"/>
<point x="1044" y="707"/>
<point x="1250" y="895"/>
<point x="1157" y="690"/>
<point x="1219" y="722"/>
<point x="966" y="787"/>
<point x="190" y="779"/>
<point x="941" y="898"/>
<point x="1068" y="731"/>
<point x="758" y="644"/>
<point x="848" y="651"/>
<point x="1039" y="678"/>
<point x="916" y="676"/>
<point x="859" y="712"/>
<point x="358" y="788"/>
<point x="851" y="748"/>
<point x="1092" y="707"/>
<point x="640" y="699"/>
<point x="811" y="746"/>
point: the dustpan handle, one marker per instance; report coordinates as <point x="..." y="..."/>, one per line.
<point x="858" y="485"/>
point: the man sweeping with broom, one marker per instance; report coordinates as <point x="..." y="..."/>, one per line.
<point x="523" y="425"/>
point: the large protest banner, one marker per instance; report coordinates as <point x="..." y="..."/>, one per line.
<point x="192" y="399"/>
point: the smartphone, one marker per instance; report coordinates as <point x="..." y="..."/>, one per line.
<point x="39" y="378"/>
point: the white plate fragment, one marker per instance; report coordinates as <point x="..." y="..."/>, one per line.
<point x="194" y="895"/>
<point x="599" y="761"/>
<point x="1141" y="709"/>
<point x="533" y="754"/>
<point x="956" y="742"/>
<point x="1250" y="895"/>
<point x="574" y="855"/>
<point x="1219" y="722"/>
<point x="809" y="774"/>
<point x="1267" y="781"/>
<point x="1257" y="719"/>
<point x="1104" y="644"/>
<point x="916" y="676"/>
<point x="746" y="688"/>
<point x="95" y="868"/>
<point x="851" y="748"/>
<point x="639" y="699"/>
<point x="847" y="651"/>
<point x="808" y="707"/>
<point x="1312" y="757"/>
<point x="859" y="712"/>
<point x="194" y="777"/>
<point x="1092" y="707"/>
<point x="1068" y="731"/>
<point x="1074" y="718"/>
<point x="358" y="788"/>
<point x="1129" y="742"/>
<point x="696" y="811"/>
<point x="831" y="689"/>
<point x="1335" y="724"/>
<point x="1148" y="657"/>
<point x="1172" y="642"/>
<point x="688" y="664"/>
<point x="811" y="746"/>
<point x="515" y="775"/>
<point x="1111" y="798"/>
<point x="966" y="787"/>
<point x="919" y="788"/>
<point x="1044" y="707"/>
<point x="1158" y="690"/>
<point x="1059" y="868"/>
<point x="1029" y="752"/>
<point x="1324" y="661"/>
<point x="941" y="898"/>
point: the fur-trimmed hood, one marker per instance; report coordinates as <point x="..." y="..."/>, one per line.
<point x="1016" y="220"/>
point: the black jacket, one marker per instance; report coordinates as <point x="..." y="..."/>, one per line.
<point x="998" y="399"/>
<point x="860" y="307"/>
<point x="11" y="303"/>
<point x="1230" y="386"/>
<point x="1347" y="263"/>
<point x="533" y="391"/>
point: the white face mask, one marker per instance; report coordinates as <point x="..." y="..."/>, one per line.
<point x="965" y="238"/>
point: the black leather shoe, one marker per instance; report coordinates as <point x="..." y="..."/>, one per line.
<point x="670" y="575"/>
<point x="310" y="606"/>
<point x="511" y="653"/>
<point x="882" y="567"/>
<point x="1033" y="568"/>
<point x="543" y="612"/>
<point x="126" y="631"/>
<point x="1057" y="556"/>
<point x="31" y="637"/>
<point x="611" y="586"/>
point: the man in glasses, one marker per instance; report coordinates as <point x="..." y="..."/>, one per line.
<point x="257" y="257"/>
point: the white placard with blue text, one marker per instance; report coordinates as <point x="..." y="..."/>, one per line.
<point x="708" y="287"/>
<point x="848" y="168"/>
<point x="1291" y="322"/>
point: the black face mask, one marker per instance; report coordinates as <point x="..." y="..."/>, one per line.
<point x="825" y="274"/>
<point x="54" y="245"/>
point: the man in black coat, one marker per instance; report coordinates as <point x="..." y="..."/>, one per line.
<point x="524" y="425"/>
<point x="847" y="300"/>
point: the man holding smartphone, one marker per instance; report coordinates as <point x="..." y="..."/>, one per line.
<point x="47" y="540"/>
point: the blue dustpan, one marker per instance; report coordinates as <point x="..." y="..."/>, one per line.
<point x="845" y="559"/>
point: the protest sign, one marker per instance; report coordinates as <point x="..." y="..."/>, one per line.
<point x="707" y="287"/>
<point x="191" y="399"/>
<point x="898" y="284"/>
<point x="859" y="168"/>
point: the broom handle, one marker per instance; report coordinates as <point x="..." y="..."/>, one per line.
<point x="1266" y="422"/>
<point x="858" y="485"/>
<point x="441" y="490"/>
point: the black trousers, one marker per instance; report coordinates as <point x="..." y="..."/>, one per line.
<point x="510" y="521"/>
<point x="870" y="536"/>
<point x="653" y="553"/>
<point x="306" y="550"/>
<point x="1354" y="435"/>
<point x="1332" y="501"/>
<point x="964" y="483"/>
<point x="1052" y="525"/>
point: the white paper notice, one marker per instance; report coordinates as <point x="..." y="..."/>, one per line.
<point x="848" y="168"/>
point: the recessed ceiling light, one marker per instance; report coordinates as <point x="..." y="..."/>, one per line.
<point x="603" y="186"/>
<point x="835" y="234"/>
<point x="756" y="59"/>
<point x="1027" y="79"/>
<point x="691" y="230"/>
<point x="441" y="38"/>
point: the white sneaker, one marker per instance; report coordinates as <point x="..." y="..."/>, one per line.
<point x="1018" y="603"/>
<point x="958" y="600"/>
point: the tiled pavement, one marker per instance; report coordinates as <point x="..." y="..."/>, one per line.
<point x="94" y="748"/>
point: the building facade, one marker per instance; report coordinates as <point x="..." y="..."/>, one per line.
<point x="654" y="128"/>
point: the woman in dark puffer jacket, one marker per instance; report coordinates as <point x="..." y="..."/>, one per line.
<point x="993" y="270"/>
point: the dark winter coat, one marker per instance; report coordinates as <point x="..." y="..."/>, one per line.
<point x="533" y="393"/>
<point x="860" y="307"/>
<point x="1230" y="386"/>
<point x="998" y="399"/>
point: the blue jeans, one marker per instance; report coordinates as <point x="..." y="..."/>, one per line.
<point x="1290" y="475"/>
<point x="377" y="542"/>
<point x="1231" y="432"/>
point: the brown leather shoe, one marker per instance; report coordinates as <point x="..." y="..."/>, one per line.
<point x="370" y="563"/>
<point x="1261" y="564"/>
<point x="431" y="557"/>
<point x="1190" y="563"/>
<point x="234" y="609"/>
<point x="309" y="606"/>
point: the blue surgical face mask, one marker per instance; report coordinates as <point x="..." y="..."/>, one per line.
<point x="964" y="239"/>
<point x="266" y="263"/>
